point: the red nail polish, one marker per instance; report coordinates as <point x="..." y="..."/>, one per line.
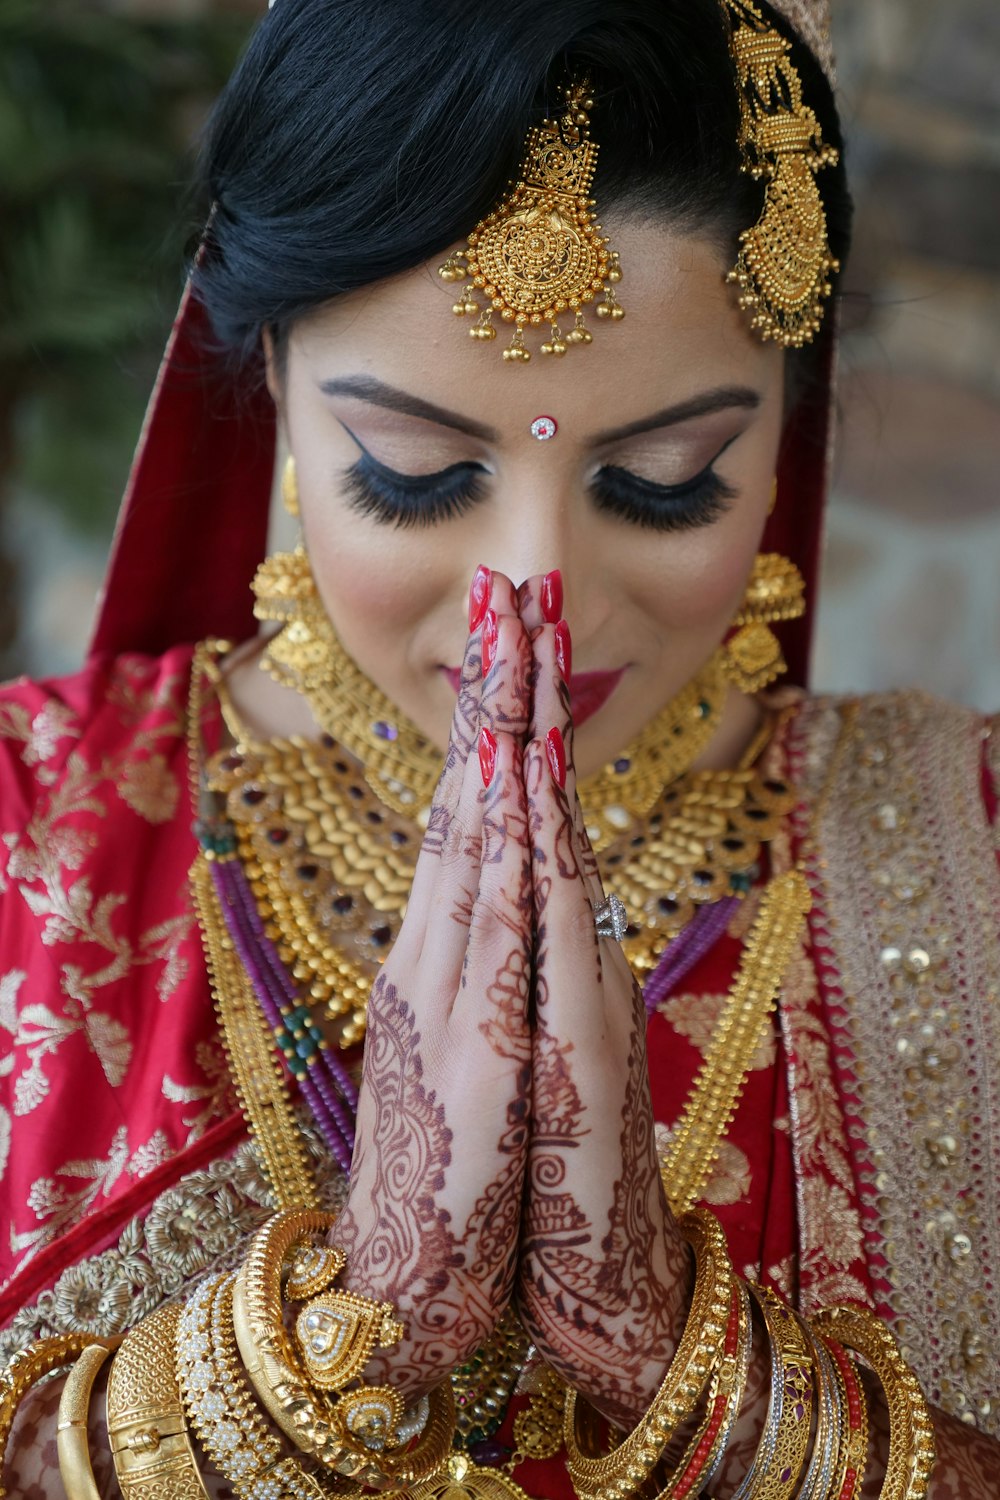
<point x="487" y="755"/>
<point x="479" y="596"/>
<point x="552" y="597"/>
<point x="556" y="751"/>
<point x="564" y="650"/>
<point x="491" y="632"/>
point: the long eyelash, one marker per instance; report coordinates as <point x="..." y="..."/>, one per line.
<point x="679" y="507"/>
<point x="422" y="500"/>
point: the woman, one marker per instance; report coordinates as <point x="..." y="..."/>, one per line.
<point x="624" y="827"/>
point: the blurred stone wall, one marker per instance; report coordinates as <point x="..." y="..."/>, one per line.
<point x="910" y="589"/>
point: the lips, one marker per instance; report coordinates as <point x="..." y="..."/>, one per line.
<point x="588" y="691"/>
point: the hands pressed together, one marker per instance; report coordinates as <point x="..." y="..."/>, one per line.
<point x="505" y="1129"/>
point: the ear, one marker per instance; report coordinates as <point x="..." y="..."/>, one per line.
<point x="275" y="383"/>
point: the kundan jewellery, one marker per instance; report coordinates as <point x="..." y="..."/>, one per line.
<point x="540" y="256"/>
<point x="544" y="428"/>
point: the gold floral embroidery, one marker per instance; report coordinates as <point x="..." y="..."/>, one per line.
<point x="199" y="1225"/>
<point x="729" y="1181"/>
<point x="909" y="910"/>
<point x="694" y="1017"/>
<point x="150" y="788"/>
<point x="47" y="868"/>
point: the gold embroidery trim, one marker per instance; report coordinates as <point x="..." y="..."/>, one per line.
<point x="715" y="1093"/>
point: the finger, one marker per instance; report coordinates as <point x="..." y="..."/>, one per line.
<point x="540" y="599"/>
<point x="568" y="956"/>
<point x="486" y="587"/>
<point x="496" y="974"/>
<point x="553" y="652"/>
<point x="505" y="705"/>
<point x="456" y="865"/>
<point x="463" y="737"/>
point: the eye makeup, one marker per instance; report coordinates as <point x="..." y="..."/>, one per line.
<point x="419" y="500"/>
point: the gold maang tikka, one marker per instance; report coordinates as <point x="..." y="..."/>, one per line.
<point x="540" y="255"/>
<point x="784" y="262"/>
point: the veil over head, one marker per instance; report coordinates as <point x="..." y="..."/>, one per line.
<point x="194" y="518"/>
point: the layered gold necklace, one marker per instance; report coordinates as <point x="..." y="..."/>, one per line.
<point x="330" y="862"/>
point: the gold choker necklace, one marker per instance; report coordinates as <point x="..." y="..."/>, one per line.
<point x="401" y="765"/>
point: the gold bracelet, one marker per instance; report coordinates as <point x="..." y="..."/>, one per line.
<point x="777" y="1465"/>
<point x="264" y="1345"/>
<point x="852" y="1459"/>
<point x="72" y="1443"/>
<point x="149" y="1437"/>
<point x="333" y="1432"/>
<point x="911" y="1432"/>
<point x="230" y="1426"/>
<point x="31" y="1364"/>
<point x="696" y="1469"/>
<point x="699" y="1352"/>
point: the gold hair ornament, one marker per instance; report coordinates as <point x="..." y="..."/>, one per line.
<point x="784" y="262"/>
<point x="540" y="254"/>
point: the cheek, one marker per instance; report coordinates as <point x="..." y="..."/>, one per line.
<point x="377" y="583"/>
<point x="693" y="584"/>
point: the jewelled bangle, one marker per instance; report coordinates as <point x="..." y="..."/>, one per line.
<point x="72" y="1445"/>
<point x="357" y="1435"/>
<point x="911" y="1432"/>
<point x="853" y="1456"/>
<point x="831" y="1416"/>
<point x="229" y="1424"/>
<point x="150" y="1443"/>
<point x="699" y="1352"/>
<point x="777" y="1465"/>
<point x="704" y="1453"/>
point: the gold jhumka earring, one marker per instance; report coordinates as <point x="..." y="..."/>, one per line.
<point x="752" y="657"/>
<point x="540" y="255"/>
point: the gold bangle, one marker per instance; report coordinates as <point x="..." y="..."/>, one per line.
<point x="230" y="1426"/>
<point x="72" y="1444"/>
<point x="911" y="1432"/>
<point x="699" y="1352"/>
<point x="777" y="1466"/>
<point x="696" y="1469"/>
<point x="31" y="1364"/>
<point x="149" y="1438"/>
<point x="852" y="1459"/>
<point x="264" y="1346"/>
<point x="326" y="1430"/>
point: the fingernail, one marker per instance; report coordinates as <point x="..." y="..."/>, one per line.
<point x="479" y="596"/>
<point x="552" y="597"/>
<point x="491" y="631"/>
<point x="487" y="755"/>
<point x="564" y="650"/>
<point x="556" y="751"/>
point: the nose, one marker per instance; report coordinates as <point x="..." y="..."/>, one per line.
<point x="543" y="523"/>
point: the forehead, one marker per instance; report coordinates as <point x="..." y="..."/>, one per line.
<point x="682" y="333"/>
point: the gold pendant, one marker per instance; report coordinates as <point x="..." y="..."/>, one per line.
<point x="464" y="1480"/>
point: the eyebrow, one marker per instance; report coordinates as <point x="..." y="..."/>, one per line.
<point x="705" y="405"/>
<point x="377" y="393"/>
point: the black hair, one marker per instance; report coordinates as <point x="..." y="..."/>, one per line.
<point x="359" y="138"/>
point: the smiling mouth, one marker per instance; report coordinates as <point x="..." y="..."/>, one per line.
<point x="588" y="691"/>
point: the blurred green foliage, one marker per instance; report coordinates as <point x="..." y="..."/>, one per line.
<point x="99" y="115"/>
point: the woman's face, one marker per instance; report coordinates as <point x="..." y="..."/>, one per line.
<point x="416" y="462"/>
